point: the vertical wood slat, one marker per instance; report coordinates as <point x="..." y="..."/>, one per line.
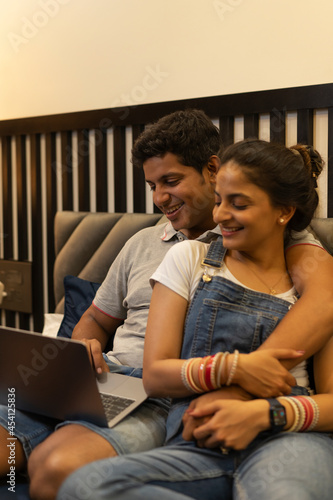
<point x="305" y="126"/>
<point x="330" y="164"/>
<point x="7" y="183"/>
<point x="7" y="198"/>
<point x="120" y="168"/>
<point x="22" y="210"/>
<point x="226" y="126"/>
<point x="277" y="126"/>
<point x="21" y="198"/>
<point x="37" y="240"/>
<point x="83" y="169"/>
<point x="66" y="170"/>
<point x="51" y="204"/>
<point x="139" y="184"/>
<point x="101" y="171"/>
<point x="251" y="125"/>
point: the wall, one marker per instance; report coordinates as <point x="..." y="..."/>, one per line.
<point x="59" y="56"/>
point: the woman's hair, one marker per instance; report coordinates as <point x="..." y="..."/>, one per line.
<point x="287" y="175"/>
<point x="189" y="134"/>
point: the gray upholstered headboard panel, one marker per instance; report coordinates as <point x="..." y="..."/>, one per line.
<point x="323" y="229"/>
<point x="86" y="244"/>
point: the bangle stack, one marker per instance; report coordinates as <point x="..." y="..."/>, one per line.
<point x="306" y="413"/>
<point x="212" y="372"/>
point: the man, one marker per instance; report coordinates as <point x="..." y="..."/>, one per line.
<point x="179" y="155"/>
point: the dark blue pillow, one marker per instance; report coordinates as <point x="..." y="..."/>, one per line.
<point x="79" y="295"/>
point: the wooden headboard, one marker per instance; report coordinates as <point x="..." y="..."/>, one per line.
<point x="81" y="162"/>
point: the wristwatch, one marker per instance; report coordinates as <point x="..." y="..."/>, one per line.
<point x="277" y="415"/>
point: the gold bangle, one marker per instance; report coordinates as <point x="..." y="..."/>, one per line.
<point x="189" y="377"/>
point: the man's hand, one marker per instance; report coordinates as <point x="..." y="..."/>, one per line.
<point x="95" y="329"/>
<point x="261" y="373"/>
<point x="229" y="423"/>
<point x="95" y="354"/>
<point x="191" y="421"/>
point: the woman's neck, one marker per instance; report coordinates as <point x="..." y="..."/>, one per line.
<point x="260" y="270"/>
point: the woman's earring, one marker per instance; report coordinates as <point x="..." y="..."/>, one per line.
<point x="281" y="220"/>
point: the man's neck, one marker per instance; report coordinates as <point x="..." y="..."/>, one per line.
<point x="195" y="233"/>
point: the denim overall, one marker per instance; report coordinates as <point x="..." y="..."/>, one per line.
<point x="224" y="316"/>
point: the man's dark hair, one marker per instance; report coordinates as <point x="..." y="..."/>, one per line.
<point x="188" y="134"/>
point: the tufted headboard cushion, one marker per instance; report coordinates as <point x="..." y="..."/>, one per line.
<point x="323" y="229"/>
<point x="87" y="243"/>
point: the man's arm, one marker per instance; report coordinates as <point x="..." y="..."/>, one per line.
<point x="95" y="329"/>
<point x="307" y="326"/>
<point x="309" y="323"/>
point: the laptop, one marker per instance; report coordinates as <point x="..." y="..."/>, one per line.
<point x="53" y="377"/>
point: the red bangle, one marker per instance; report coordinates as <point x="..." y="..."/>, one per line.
<point x="201" y="374"/>
<point x="208" y="371"/>
<point x="309" y="413"/>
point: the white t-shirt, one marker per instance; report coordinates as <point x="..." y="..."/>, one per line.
<point x="181" y="271"/>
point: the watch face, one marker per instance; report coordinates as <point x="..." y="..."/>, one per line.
<point x="279" y="416"/>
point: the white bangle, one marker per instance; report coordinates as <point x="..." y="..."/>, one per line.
<point x="233" y="367"/>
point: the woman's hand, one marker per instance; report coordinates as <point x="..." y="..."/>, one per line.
<point x="191" y="422"/>
<point x="229" y="423"/>
<point x="261" y="373"/>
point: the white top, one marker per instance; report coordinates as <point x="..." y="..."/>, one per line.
<point x="181" y="271"/>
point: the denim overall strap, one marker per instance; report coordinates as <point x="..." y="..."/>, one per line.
<point x="213" y="259"/>
<point x="215" y="254"/>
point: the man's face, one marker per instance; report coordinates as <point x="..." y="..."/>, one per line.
<point x="184" y="195"/>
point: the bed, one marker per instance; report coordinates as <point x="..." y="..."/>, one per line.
<point x="80" y="199"/>
<point x="80" y="162"/>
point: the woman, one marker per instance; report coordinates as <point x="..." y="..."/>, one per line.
<point x="229" y="300"/>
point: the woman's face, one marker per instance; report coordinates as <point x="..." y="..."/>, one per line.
<point x="243" y="210"/>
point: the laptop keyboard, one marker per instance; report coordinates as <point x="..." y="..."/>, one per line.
<point x="113" y="405"/>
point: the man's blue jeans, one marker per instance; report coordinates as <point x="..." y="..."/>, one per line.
<point x="290" y="465"/>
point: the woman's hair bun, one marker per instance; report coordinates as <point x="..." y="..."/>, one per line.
<point x="311" y="159"/>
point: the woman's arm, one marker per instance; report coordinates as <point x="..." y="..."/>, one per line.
<point x="258" y="372"/>
<point x="235" y="424"/>
<point x="163" y="341"/>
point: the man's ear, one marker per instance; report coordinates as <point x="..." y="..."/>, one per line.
<point x="213" y="166"/>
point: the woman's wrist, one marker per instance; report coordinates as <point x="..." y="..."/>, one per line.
<point x="261" y="415"/>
